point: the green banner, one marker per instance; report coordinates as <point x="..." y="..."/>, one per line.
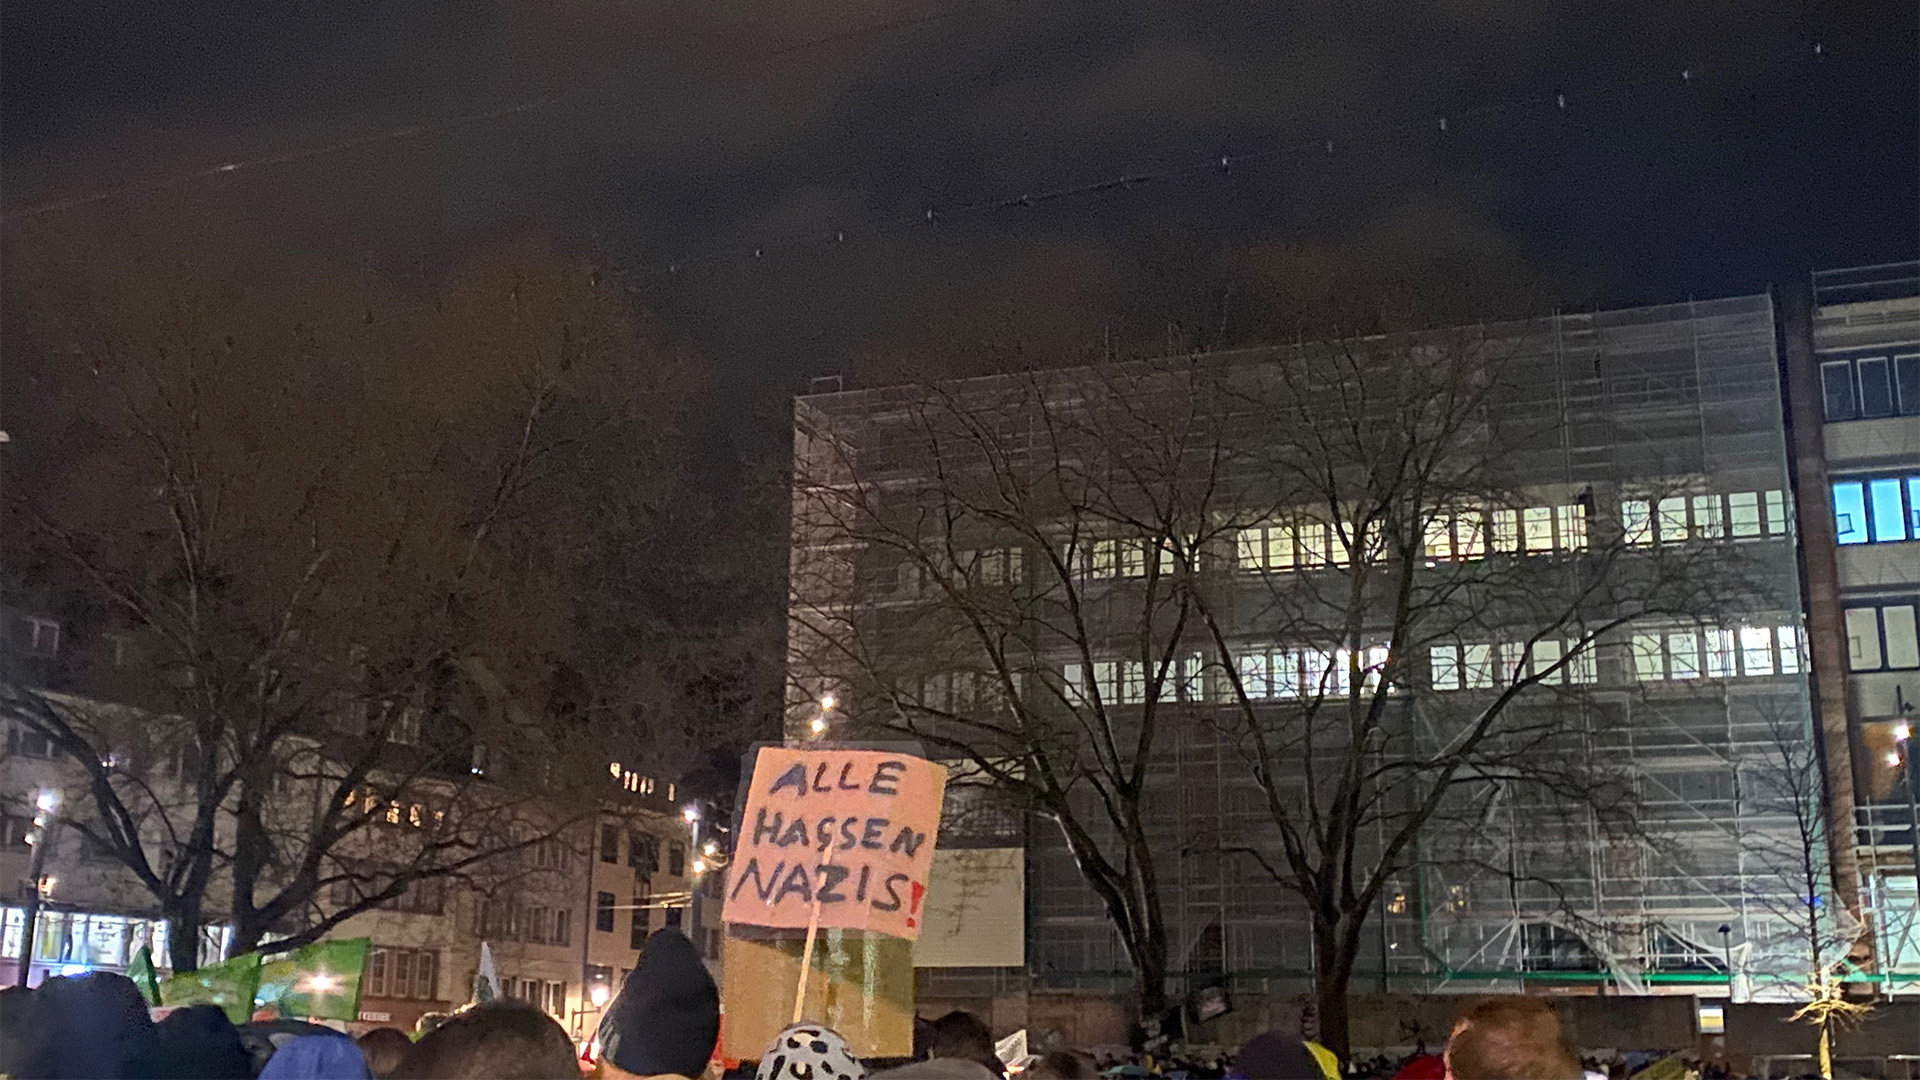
<point x="230" y="985"/>
<point x="320" y="981"/>
<point x="140" y="970"/>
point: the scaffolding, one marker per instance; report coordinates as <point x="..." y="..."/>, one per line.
<point x="1681" y="396"/>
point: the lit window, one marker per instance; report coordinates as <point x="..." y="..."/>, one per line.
<point x="1790" y="648"/>
<point x="1478" y="666"/>
<point x="1537" y="528"/>
<point x="1546" y="654"/>
<point x="1744" y="507"/>
<point x="1720" y="653"/>
<point x="1250" y="548"/>
<point x="1849" y="512"/>
<point x="1438" y="537"/>
<point x="1313" y="544"/>
<point x="1506" y="530"/>
<point x="1445" y="663"/>
<point x="1313" y="672"/>
<point x="1683" y="655"/>
<point x="1673" y="519"/>
<point x="1573" y="527"/>
<point x="1286" y="674"/>
<point x="1756" y="650"/>
<point x="1106" y="558"/>
<point x="1470" y="535"/>
<point x="1636" y="521"/>
<point x="1706" y="516"/>
<point x="1648" y="665"/>
<point x="1889" y="520"/>
<point x="1513" y="661"/>
<point x="1777" y="524"/>
<point x="1253" y="675"/>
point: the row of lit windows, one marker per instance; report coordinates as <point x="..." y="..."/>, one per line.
<point x="1283" y="674"/>
<point x="1677" y="519"/>
<point x="1124" y="682"/>
<point x="1716" y="653"/>
<point x="1882" y="510"/>
<point x="1480" y="666"/>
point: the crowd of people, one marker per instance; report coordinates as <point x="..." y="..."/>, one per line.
<point x="664" y="1024"/>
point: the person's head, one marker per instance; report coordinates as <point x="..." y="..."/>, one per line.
<point x="667" y="1017"/>
<point x="383" y="1048"/>
<point x="317" y="1057"/>
<point x="1062" y="1065"/>
<point x="504" y="1039"/>
<point x="27" y="1044"/>
<point x="199" y="1043"/>
<point x="965" y="1036"/>
<point x="1274" y="1056"/>
<point x="1510" y="1038"/>
<point x="100" y="1022"/>
<point x="809" y="1052"/>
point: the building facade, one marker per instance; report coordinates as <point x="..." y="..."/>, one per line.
<point x="1852" y="345"/>
<point x="1653" y="437"/>
<point x="564" y="917"/>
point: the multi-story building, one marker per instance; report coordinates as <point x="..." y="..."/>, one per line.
<point x="564" y="916"/>
<point x="1853" y="371"/>
<point x="1652" y="434"/>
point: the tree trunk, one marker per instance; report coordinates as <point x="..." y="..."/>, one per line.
<point x="183" y="935"/>
<point x="1150" y="977"/>
<point x="1336" y="946"/>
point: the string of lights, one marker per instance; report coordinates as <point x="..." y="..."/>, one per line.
<point x="1453" y="122"/>
<point x="1445" y="123"/>
<point x="467" y="119"/>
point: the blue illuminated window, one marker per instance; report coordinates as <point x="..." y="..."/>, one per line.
<point x="1889" y="517"/>
<point x="1849" y="512"/>
<point x="1881" y="510"/>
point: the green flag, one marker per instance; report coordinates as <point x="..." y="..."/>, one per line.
<point x="230" y="985"/>
<point x="321" y="981"/>
<point x="140" y="970"/>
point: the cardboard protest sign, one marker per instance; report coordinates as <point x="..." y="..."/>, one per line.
<point x="849" y="831"/>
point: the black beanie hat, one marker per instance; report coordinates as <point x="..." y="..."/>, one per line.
<point x="667" y="1016"/>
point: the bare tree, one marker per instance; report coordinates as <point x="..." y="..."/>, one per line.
<point x="1821" y="934"/>
<point x="324" y="539"/>
<point x="1342" y="557"/>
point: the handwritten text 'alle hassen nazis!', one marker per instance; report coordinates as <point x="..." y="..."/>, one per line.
<point x="851" y="831"/>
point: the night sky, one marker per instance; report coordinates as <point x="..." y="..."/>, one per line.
<point x="650" y="133"/>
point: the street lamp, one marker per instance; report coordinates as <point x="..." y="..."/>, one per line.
<point x="600" y="995"/>
<point x="1903" y="741"/>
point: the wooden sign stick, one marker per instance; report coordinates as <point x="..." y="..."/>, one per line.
<point x="806" y="954"/>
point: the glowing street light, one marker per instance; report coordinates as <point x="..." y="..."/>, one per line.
<point x="817" y="726"/>
<point x="710" y="848"/>
<point x="1902" y="731"/>
<point x="600" y="995"/>
<point x="699" y="866"/>
<point x="47" y="801"/>
<point x="827" y="702"/>
<point x="691" y="813"/>
<point x="1893" y="759"/>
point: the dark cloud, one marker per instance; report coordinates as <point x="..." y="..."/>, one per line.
<point x="687" y="128"/>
